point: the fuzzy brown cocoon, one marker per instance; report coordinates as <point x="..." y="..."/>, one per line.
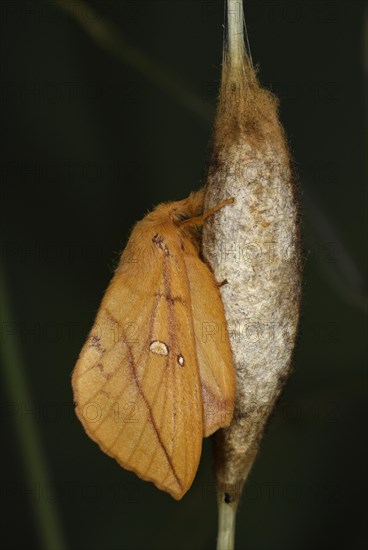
<point x="254" y="246"/>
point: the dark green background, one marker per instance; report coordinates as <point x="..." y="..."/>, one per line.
<point x="89" y="145"/>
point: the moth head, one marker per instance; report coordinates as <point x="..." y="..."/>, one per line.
<point x="188" y="208"/>
<point x="177" y="212"/>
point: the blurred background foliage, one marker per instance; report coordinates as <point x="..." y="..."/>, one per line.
<point x="99" y="124"/>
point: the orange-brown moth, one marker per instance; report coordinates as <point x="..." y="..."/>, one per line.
<point x="156" y="374"/>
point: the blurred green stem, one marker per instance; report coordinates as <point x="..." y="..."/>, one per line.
<point x="109" y="38"/>
<point x="36" y="475"/>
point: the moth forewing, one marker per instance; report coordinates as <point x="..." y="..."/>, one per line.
<point x="147" y="387"/>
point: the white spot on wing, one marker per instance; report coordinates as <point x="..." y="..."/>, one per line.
<point x="181" y="360"/>
<point x="159" y="348"/>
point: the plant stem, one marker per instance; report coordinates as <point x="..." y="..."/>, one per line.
<point x="235" y="30"/>
<point x="16" y="386"/>
<point x="250" y="162"/>
<point x="107" y="35"/>
<point x="226" y="525"/>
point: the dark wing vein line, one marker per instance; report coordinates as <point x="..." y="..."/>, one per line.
<point x="80" y="375"/>
<point x="119" y="395"/>
<point x="149" y="338"/>
<point x="171" y="328"/>
<point x="142" y="394"/>
<point x="172" y="324"/>
<point x="143" y="351"/>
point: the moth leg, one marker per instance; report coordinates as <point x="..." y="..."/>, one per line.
<point x="199" y="220"/>
<point x="216" y="208"/>
<point x="224" y="282"/>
